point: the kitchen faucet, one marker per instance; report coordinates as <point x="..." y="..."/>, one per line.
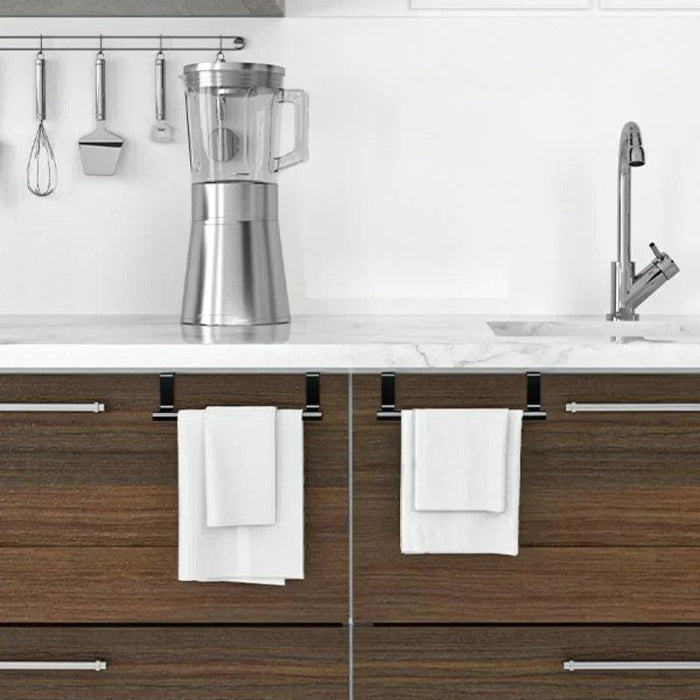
<point x="629" y="290"/>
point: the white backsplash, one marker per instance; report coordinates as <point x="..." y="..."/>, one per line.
<point x="463" y="163"/>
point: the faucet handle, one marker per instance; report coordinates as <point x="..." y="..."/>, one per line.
<point x="663" y="262"/>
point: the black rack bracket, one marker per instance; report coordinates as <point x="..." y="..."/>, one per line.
<point x="388" y="410"/>
<point x="312" y="410"/>
<point x="167" y="398"/>
<point x="534" y="398"/>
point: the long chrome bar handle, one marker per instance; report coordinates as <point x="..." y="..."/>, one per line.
<point x="572" y="665"/>
<point x="160" y="86"/>
<point x="40" y="89"/>
<point x="97" y="665"/>
<point x="575" y="407"/>
<point x="92" y="407"/>
<point x="100" y="87"/>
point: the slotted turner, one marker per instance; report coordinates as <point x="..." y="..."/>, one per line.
<point x="100" y="150"/>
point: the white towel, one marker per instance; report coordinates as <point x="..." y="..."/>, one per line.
<point x="266" y="554"/>
<point x="239" y="458"/>
<point x="461" y="459"/>
<point x="424" y="532"/>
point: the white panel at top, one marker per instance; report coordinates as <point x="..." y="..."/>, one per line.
<point x="435" y="6"/>
<point x="650" y="4"/>
<point x="420" y="8"/>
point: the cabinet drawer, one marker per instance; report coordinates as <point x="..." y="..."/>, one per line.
<point x="88" y="504"/>
<point x="188" y="663"/>
<point x="502" y="663"/>
<point x="609" y="517"/>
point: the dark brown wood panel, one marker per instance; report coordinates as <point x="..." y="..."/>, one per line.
<point x="139" y="584"/>
<point x="187" y="663"/>
<point x="613" y="479"/>
<point x="86" y="500"/>
<point x="541" y="584"/>
<point x="503" y="663"/>
<point x="86" y="479"/>
<point x="612" y="500"/>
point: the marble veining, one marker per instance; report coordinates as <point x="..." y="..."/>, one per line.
<point x="350" y="343"/>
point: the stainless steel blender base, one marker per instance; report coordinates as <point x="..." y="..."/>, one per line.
<point x="235" y="272"/>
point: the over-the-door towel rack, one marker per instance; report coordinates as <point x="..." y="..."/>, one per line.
<point x="311" y="411"/>
<point x="389" y="412"/>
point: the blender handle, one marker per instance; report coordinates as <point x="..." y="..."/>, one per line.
<point x="300" y="152"/>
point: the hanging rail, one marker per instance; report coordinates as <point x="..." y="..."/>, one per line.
<point x="219" y="42"/>
<point x="311" y="412"/>
<point x="388" y="411"/>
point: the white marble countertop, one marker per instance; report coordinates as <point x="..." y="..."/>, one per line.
<point x="350" y="343"/>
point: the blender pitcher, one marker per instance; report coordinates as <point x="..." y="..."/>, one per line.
<point x="235" y="271"/>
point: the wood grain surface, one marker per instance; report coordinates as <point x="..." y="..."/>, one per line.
<point x="187" y="663"/>
<point x="88" y="504"/>
<point x="610" y="508"/>
<point x="503" y="663"/>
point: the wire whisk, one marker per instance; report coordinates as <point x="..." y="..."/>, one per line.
<point x="42" y="175"/>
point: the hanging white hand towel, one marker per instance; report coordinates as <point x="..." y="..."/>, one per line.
<point x="461" y="459"/>
<point x="239" y="459"/>
<point x="263" y="554"/>
<point x="466" y="532"/>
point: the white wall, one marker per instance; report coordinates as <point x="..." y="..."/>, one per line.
<point x="463" y="163"/>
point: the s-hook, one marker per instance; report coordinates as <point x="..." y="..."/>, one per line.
<point x="220" y="58"/>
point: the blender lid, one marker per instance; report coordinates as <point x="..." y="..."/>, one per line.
<point x="234" y="75"/>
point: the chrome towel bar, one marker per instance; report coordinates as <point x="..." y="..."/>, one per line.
<point x="97" y="665"/>
<point x="388" y="411"/>
<point x="92" y="407"/>
<point x="575" y="407"/>
<point x="631" y="665"/>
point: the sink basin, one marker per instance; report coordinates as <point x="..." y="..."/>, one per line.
<point x="595" y="329"/>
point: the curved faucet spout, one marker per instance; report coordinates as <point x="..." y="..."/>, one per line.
<point x="631" y="151"/>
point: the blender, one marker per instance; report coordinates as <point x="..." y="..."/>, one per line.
<point x="235" y="271"/>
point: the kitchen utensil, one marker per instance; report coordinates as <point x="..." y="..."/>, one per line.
<point x="223" y="143"/>
<point x="235" y="270"/>
<point x="42" y="175"/>
<point x="100" y="149"/>
<point x="161" y="131"/>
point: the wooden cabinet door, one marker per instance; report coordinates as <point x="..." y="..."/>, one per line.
<point x="503" y="663"/>
<point x="186" y="663"/>
<point x="88" y="504"/>
<point x="609" y="510"/>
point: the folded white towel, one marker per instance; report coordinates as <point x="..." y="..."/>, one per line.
<point x="461" y="459"/>
<point x="425" y="532"/>
<point x="266" y="554"/>
<point x="239" y="457"/>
